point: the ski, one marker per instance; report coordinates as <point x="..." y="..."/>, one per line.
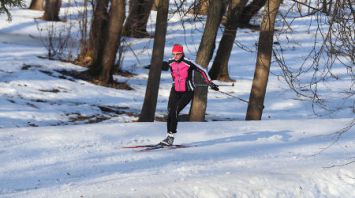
<point x="164" y="147"/>
<point x="141" y="146"/>
<point x="151" y="147"/>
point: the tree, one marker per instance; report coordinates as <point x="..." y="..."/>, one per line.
<point x="332" y="52"/>
<point x="219" y="70"/>
<point x="113" y="40"/>
<point x="36" y="5"/>
<point x="6" y="4"/>
<point x="262" y="67"/>
<point x="249" y="11"/>
<point x="93" y="52"/>
<point x="51" y="10"/>
<point x="204" y="55"/>
<point x="106" y="37"/>
<point x="85" y="56"/>
<point x="92" y="48"/>
<point x="201" y="7"/>
<point x="151" y="94"/>
<point x="136" y="23"/>
<point x="155" y="5"/>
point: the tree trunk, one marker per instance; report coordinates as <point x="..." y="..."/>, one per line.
<point x="250" y="10"/>
<point x="113" y="40"/>
<point x="97" y="40"/>
<point x="155" y="5"/>
<point x="204" y="55"/>
<point x="201" y="7"/>
<point x="36" y="5"/>
<point x="262" y="67"/>
<point x="219" y="70"/>
<point x="136" y="23"/>
<point x="51" y="10"/>
<point x="84" y="58"/>
<point x="151" y="94"/>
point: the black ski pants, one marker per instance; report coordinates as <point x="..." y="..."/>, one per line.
<point x="177" y="102"/>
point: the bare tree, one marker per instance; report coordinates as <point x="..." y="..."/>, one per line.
<point x="155" y="5"/>
<point x="250" y="11"/>
<point x="200" y="7"/>
<point x="113" y="35"/>
<point x="136" y="23"/>
<point x="87" y="37"/>
<point x="95" y="45"/>
<point x="151" y="94"/>
<point x="333" y="51"/>
<point x="262" y="67"/>
<point x="36" y="5"/>
<point x="51" y="10"/>
<point x="204" y="55"/>
<point x="219" y="70"/>
<point x="110" y="37"/>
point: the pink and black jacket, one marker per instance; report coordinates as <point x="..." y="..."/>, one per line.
<point x="182" y="72"/>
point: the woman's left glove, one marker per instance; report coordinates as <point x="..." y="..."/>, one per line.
<point x="214" y="86"/>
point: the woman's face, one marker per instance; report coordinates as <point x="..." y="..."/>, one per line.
<point x="177" y="55"/>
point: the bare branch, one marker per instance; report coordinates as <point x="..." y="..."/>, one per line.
<point x="332" y="46"/>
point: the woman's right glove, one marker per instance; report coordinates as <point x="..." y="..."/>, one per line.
<point x="214" y="86"/>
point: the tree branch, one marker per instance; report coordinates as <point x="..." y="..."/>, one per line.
<point x="313" y="8"/>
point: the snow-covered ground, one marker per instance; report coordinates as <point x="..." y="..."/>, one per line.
<point x="293" y="158"/>
<point x="291" y="153"/>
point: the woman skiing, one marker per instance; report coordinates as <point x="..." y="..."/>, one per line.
<point x="182" y="90"/>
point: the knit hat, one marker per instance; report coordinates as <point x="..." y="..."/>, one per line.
<point x="177" y="48"/>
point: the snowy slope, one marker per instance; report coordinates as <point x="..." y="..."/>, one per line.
<point x="297" y="158"/>
<point x="49" y="149"/>
<point x="46" y="97"/>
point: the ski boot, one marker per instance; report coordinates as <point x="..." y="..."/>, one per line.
<point x="168" y="141"/>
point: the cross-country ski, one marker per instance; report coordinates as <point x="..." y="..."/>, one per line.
<point x="151" y="147"/>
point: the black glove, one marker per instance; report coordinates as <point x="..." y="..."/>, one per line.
<point x="214" y="86"/>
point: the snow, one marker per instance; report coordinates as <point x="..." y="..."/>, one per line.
<point x="229" y="159"/>
<point x="64" y="137"/>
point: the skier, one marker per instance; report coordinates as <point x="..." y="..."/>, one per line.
<point x="182" y="89"/>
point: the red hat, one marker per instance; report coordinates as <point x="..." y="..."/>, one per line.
<point x="177" y="48"/>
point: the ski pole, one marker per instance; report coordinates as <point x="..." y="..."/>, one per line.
<point x="255" y="105"/>
<point x="228" y="94"/>
<point x="206" y="85"/>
